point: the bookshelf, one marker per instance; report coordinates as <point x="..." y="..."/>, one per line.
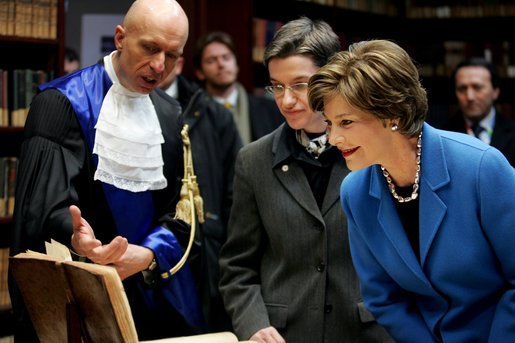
<point x="352" y="20"/>
<point x="437" y="34"/>
<point x="32" y="34"/>
<point x="31" y="38"/>
<point x="439" y="43"/>
<point x="348" y="21"/>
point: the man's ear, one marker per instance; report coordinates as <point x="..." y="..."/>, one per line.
<point x="497" y="91"/>
<point x="119" y="37"/>
<point x="179" y="65"/>
<point x="200" y="75"/>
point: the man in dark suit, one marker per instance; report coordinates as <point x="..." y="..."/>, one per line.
<point x="477" y="89"/>
<point x="215" y="142"/>
<point x="216" y="66"/>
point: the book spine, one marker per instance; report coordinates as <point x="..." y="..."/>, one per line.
<point x="12" y="166"/>
<point x="4" y="11"/>
<point x="45" y="18"/>
<point x="5" y="301"/>
<point x="5" y="97"/>
<point x="52" y="34"/>
<point x="11" y="13"/>
<point x="2" y="120"/>
<point x="3" y="187"/>
<point x="18" y="18"/>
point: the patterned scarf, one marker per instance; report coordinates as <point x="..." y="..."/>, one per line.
<point x="315" y="146"/>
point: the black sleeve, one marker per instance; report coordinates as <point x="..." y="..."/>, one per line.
<point x="231" y="144"/>
<point x="51" y="157"/>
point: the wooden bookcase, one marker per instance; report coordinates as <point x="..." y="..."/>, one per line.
<point x="236" y="18"/>
<point x="36" y="47"/>
<point x="429" y="30"/>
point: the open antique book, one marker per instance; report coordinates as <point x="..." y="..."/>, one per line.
<point x="71" y="301"/>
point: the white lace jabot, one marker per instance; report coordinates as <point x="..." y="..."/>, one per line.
<point x="128" y="139"/>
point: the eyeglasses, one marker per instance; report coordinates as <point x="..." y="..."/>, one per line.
<point x="278" y="90"/>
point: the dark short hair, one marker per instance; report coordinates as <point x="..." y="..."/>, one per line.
<point x="303" y="36"/>
<point x="478" y="62"/>
<point x="215" y="36"/>
<point x="70" y="54"/>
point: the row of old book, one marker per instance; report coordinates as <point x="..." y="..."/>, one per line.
<point x="460" y="9"/>
<point x="428" y="8"/>
<point x="17" y="88"/>
<point x="385" y="7"/>
<point x="8" y="168"/>
<point x="263" y="31"/>
<point x="500" y="53"/>
<point x="29" y="18"/>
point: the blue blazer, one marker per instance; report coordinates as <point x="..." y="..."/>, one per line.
<point x="462" y="289"/>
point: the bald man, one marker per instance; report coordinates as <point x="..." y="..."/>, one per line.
<point x="100" y="171"/>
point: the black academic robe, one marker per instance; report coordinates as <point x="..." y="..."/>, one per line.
<point x="56" y="170"/>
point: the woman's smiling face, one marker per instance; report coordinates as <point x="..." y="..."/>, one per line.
<point x="360" y="136"/>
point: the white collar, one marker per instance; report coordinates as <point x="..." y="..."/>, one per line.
<point x="173" y="89"/>
<point x="128" y="139"/>
<point x="231" y="99"/>
<point x="109" y="67"/>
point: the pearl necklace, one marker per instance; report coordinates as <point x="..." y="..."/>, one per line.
<point x="391" y="185"/>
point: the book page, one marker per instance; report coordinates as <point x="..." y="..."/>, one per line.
<point x="58" y="250"/>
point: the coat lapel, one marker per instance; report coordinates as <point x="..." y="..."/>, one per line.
<point x="432" y="209"/>
<point x="292" y="177"/>
<point x="394" y="231"/>
<point x="434" y="175"/>
<point x="294" y="180"/>
<point x="332" y="194"/>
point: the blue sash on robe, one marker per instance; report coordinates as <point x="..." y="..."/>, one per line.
<point x="132" y="212"/>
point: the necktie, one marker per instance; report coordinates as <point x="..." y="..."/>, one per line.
<point x="477" y="129"/>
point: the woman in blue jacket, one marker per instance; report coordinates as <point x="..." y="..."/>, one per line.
<point x="431" y="213"/>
